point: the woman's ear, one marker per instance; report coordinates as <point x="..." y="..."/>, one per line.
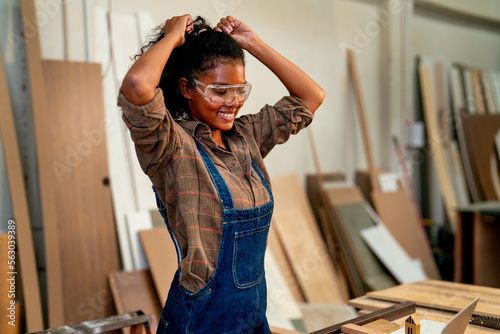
<point x="185" y="87"/>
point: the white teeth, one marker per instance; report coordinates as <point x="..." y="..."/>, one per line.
<point x="226" y="115"/>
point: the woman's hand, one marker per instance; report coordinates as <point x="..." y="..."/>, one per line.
<point x="238" y="30"/>
<point x="179" y="26"/>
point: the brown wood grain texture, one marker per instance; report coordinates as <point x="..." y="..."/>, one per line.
<point x="356" y="329"/>
<point x="434" y="133"/>
<point x="394" y="208"/>
<point x="284" y="264"/>
<point x="444" y="295"/>
<point x="162" y="259"/>
<point x="477" y="91"/>
<point x="351" y="218"/>
<point x="320" y="280"/>
<point x="44" y="156"/>
<point x="85" y="229"/>
<point x="480" y="132"/>
<point x="327" y="215"/>
<point x="391" y="313"/>
<point x="133" y="291"/>
<point x="25" y="258"/>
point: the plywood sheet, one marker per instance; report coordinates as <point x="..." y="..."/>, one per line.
<point x="320" y="280"/>
<point x="480" y="132"/>
<point x="85" y="229"/>
<point x="437" y="148"/>
<point x="393" y="209"/>
<point x="352" y="219"/>
<point x="133" y="291"/>
<point x="162" y="259"/>
<point x="44" y="156"/>
<point x="21" y="223"/>
<point x="284" y="264"/>
<point x="444" y="296"/>
<point x="459" y="108"/>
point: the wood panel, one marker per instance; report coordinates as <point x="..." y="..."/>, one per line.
<point x="162" y="259"/>
<point x="353" y="217"/>
<point x="133" y="291"/>
<point x="434" y="133"/>
<point x="320" y="280"/>
<point x="444" y="296"/>
<point x="394" y="208"/>
<point x="85" y="229"/>
<point x="24" y="240"/>
<point x="44" y="157"/>
<point x="459" y="108"/>
<point x="480" y="132"/>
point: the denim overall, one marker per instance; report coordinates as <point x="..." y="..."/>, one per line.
<point x="235" y="298"/>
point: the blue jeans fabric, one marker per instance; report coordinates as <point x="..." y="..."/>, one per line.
<point x="235" y="298"/>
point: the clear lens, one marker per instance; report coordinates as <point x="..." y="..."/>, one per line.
<point x="223" y="93"/>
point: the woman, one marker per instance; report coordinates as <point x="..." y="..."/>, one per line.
<point x="180" y="100"/>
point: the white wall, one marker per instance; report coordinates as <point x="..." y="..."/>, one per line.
<point x="311" y="33"/>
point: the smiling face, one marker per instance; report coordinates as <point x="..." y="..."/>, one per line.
<point x="218" y="116"/>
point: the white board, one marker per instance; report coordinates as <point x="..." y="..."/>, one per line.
<point x="392" y="255"/>
<point x="138" y="221"/>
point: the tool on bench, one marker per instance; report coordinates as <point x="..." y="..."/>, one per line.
<point x="135" y="320"/>
<point x="485" y="321"/>
<point x="390" y="313"/>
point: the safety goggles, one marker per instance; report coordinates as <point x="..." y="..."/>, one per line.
<point x="223" y="94"/>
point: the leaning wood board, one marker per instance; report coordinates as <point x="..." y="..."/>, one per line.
<point x="444" y="296"/>
<point x="44" y="157"/>
<point x="134" y="290"/>
<point x="352" y="217"/>
<point x="85" y="229"/>
<point x="394" y="208"/>
<point x="162" y="259"/>
<point x="320" y="280"/>
<point x="480" y="132"/>
<point x="24" y="241"/>
<point x="436" y="143"/>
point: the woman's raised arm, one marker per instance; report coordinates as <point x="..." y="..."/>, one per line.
<point x="296" y="81"/>
<point x="141" y="80"/>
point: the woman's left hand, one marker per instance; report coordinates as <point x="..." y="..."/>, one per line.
<point x="238" y="30"/>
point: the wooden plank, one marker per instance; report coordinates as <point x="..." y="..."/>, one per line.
<point x="318" y="316"/>
<point x="477" y="91"/>
<point x="480" y="131"/>
<point x="85" y="229"/>
<point x="162" y="259"/>
<point x="394" y="208"/>
<point x="133" y="291"/>
<point x="46" y="178"/>
<point x="284" y="264"/>
<point x="352" y="219"/>
<point x="443" y="295"/>
<point x="282" y="309"/>
<point x="391" y="313"/>
<point x="355" y="329"/>
<point x="336" y="245"/>
<point x="459" y="108"/>
<point x="437" y="147"/>
<point x="136" y="222"/>
<point x="24" y="240"/>
<point x="302" y="241"/>
<point x="10" y="313"/>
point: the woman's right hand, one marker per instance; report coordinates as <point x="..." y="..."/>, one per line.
<point x="179" y="26"/>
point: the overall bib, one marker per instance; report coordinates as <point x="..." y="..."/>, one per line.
<point x="235" y="298"/>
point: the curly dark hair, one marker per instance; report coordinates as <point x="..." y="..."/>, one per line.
<point x="203" y="49"/>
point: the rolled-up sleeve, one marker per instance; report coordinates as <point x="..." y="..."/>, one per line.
<point x="152" y="130"/>
<point x="273" y="125"/>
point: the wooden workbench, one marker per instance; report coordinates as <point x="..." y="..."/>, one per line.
<point x="436" y="300"/>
